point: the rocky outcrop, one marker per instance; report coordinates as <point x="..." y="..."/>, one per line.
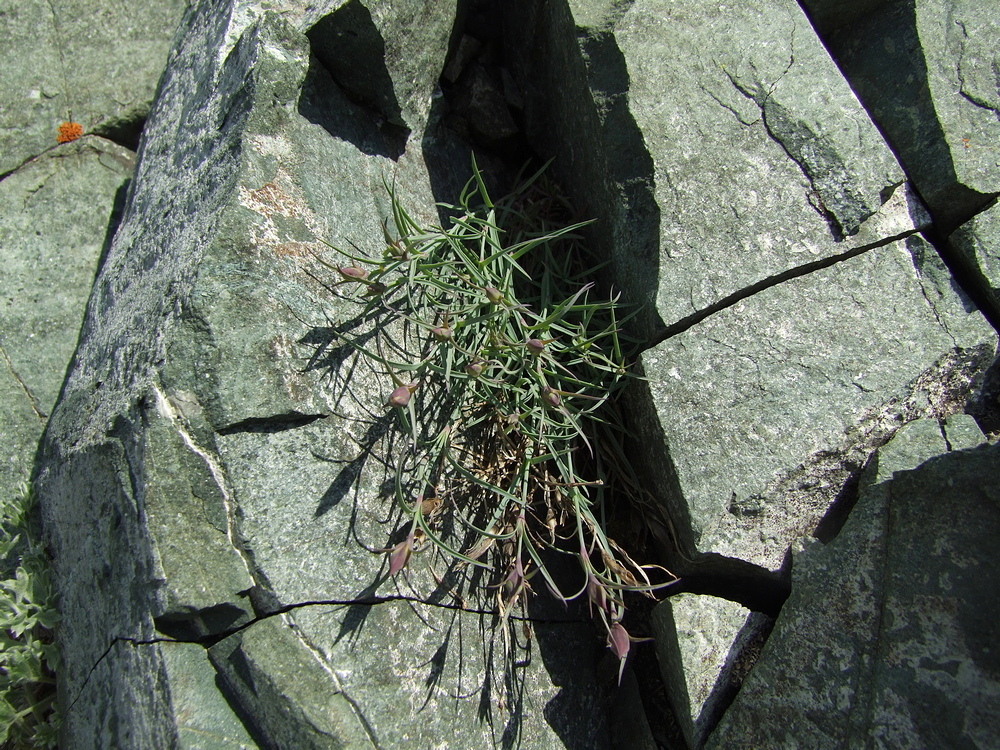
<point x="886" y="638"/>
<point x="213" y="477"/>
<point x="90" y="63"/>
<point x="226" y="469"/>
<point x="57" y="213"/>
<point x="926" y="70"/>
<point x="801" y="316"/>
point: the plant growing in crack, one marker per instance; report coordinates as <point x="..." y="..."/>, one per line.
<point x="502" y="366"/>
<point x="28" y="657"/>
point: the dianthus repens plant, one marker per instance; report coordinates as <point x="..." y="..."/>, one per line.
<point x="28" y="657"/>
<point x="500" y="359"/>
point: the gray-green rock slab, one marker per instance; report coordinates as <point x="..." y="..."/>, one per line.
<point x="889" y="636"/>
<point x="703" y="646"/>
<point x="976" y="244"/>
<point x="926" y="70"/>
<point x="248" y="453"/>
<point x="961" y="431"/>
<point x="56" y="214"/>
<point x="420" y="675"/>
<point x="716" y="143"/>
<point x="93" y="62"/>
<point x="205" y="720"/>
<point x="286" y="691"/>
<point x="763" y="409"/>
<point x="112" y="688"/>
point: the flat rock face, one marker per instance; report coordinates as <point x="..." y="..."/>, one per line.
<point x="762" y="404"/>
<point x="926" y="71"/>
<point x="229" y="464"/>
<point x="799" y="165"/>
<point x="885" y="640"/>
<point x="977" y="245"/>
<point x="745" y="194"/>
<point x="86" y="62"/>
<point x="56" y="216"/>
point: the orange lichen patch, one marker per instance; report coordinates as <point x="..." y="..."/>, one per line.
<point x="69" y="131"/>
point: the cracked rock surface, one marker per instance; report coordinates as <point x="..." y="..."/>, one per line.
<point x="882" y="644"/>
<point x="214" y="472"/>
<point x="84" y="61"/>
<point x="927" y="73"/>
<point x="801" y="315"/>
<point x="55" y="214"/>
<point x="228" y="469"/>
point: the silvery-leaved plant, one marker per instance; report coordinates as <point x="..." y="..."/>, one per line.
<point x="28" y="657"/>
<point x="502" y="363"/>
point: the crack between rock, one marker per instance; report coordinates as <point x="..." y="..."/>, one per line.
<point x="944" y="434"/>
<point x="977" y="102"/>
<point x="726" y="107"/>
<point x="218" y="475"/>
<point x="937" y="318"/>
<point x="771" y="281"/>
<point x="355" y="706"/>
<point x="35" y="405"/>
<point x="78" y="148"/>
<point x="210" y="640"/>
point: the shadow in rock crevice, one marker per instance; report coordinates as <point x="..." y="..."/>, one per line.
<point x="348" y="90"/>
<point x="881" y="54"/>
<point x="575" y="85"/>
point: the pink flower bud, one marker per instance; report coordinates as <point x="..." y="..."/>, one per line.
<point x="619" y="643"/>
<point x="475" y="369"/>
<point x="353" y="273"/>
<point x="550" y="397"/>
<point x="535" y="346"/>
<point x="494" y="295"/>
<point x="442" y="333"/>
<point x="400" y="555"/>
<point x="596" y="595"/>
<point x="401" y="396"/>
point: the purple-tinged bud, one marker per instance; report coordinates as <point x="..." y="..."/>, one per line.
<point x="401" y="396"/>
<point x="535" y="346"/>
<point x="596" y="594"/>
<point x="619" y="643"/>
<point x="442" y="333"/>
<point x="494" y="295"/>
<point x="475" y="369"/>
<point x="353" y="273"/>
<point x="550" y="396"/>
<point x="375" y="289"/>
<point x="400" y="555"/>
